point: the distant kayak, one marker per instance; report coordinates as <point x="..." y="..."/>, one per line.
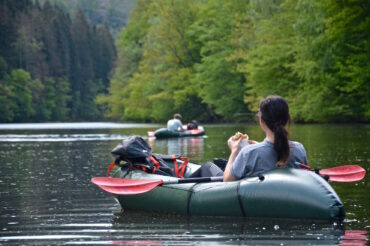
<point x="165" y="133"/>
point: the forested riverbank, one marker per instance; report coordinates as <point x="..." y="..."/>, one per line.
<point x="208" y="60"/>
<point x="52" y="66"/>
<point x="213" y="60"/>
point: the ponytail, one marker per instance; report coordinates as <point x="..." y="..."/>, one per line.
<point x="281" y="145"/>
<point x="275" y="113"/>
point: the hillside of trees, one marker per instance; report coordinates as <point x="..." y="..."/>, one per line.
<point x="52" y="67"/>
<point x="213" y="60"/>
<point x="209" y="60"/>
<point x="114" y="13"/>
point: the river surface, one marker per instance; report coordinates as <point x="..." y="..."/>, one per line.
<point x="46" y="197"/>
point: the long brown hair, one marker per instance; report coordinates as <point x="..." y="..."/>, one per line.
<point x="274" y="111"/>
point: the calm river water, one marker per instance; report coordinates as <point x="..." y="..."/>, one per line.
<point x="46" y="197"/>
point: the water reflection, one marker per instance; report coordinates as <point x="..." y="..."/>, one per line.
<point x="355" y="238"/>
<point x="179" y="230"/>
<point x="182" y="146"/>
<point x="76" y="125"/>
<point x="59" y="137"/>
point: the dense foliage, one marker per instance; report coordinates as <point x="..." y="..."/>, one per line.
<point x="112" y="12"/>
<point x="213" y="60"/>
<point x="51" y="67"/>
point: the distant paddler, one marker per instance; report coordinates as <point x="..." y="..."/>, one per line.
<point x="175" y="124"/>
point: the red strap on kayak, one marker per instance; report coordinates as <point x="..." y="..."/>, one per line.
<point x="144" y="169"/>
<point x="180" y="170"/>
<point x="110" y="167"/>
<point x="183" y="165"/>
<point x="176" y="166"/>
<point x="155" y="162"/>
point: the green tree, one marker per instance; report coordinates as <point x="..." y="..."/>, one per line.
<point x="82" y="71"/>
<point x="219" y="83"/>
<point x="348" y="33"/>
<point x="9" y="11"/>
<point x="130" y="50"/>
<point x="19" y="82"/>
<point x="104" y="53"/>
<point x="44" y="103"/>
<point x="269" y="56"/>
<point x="166" y="66"/>
<point x="62" y="97"/>
<point x="3" y="67"/>
<point x="8" y="106"/>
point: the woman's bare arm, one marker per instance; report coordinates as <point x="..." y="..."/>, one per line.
<point x="234" y="146"/>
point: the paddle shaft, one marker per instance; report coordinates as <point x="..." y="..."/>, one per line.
<point x="348" y="173"/>
<point x="194" y="180"/>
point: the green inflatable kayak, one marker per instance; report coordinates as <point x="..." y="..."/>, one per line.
<point x="165" y="133"/>
<point x="281" y="193"/>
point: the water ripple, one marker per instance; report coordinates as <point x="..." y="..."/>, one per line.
<point x="77" y="125"/>
<point x="59" y="137"/>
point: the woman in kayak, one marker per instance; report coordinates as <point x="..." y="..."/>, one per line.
<point x="275" y="151"/>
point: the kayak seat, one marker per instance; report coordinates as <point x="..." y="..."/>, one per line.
<point x="220" y="162"/>
<point x="207" y="169"/>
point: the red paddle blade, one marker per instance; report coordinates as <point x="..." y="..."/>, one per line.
<point x="346" y="169"/>
<point x="125" y="186"/>
<point x="347" y="177"/>
<point x="347" y="173"/>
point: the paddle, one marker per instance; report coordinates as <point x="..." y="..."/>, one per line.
<point x="346" y="173"/>
<point x="121" y="186"/>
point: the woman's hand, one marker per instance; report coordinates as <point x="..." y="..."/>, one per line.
<point x="234" y="145"/>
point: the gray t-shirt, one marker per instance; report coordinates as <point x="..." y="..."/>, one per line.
<point x="174" y="125"/>
<point x="255" y="159"/>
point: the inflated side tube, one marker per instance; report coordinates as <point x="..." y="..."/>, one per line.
<point x="281" y="193"/>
